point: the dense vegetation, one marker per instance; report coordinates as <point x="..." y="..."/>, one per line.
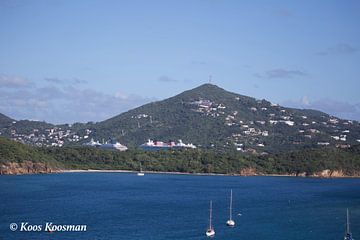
<point x="229" y="120"/>
<point x="193" y="161"/>
<point x="15" y="152"/>
<point x="311" y="161"/>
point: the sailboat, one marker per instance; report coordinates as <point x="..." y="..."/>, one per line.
<point x="140" y="173"/>
<point x="230" y="222"/>
<point x="210" y="232"/>
<point x="348" y="235"/>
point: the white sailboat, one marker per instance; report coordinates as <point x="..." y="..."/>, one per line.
<point x="348" y="235"/>
<point x="210" y="232"/>
<point x="140" y="173"/>
<point x="230" y="222"/>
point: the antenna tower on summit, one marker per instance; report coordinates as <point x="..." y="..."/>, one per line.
<point x="210" y="79"/>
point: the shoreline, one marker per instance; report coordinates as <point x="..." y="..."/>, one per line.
<point x="242" y="174"/>
<point x="196" y="174"/>
<point x="146" y="172"/>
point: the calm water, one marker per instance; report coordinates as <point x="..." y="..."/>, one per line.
<point x="125" y="206"/>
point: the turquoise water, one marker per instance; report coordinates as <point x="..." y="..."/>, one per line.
<point x="159" y="206"/>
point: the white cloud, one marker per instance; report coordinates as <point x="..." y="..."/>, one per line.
<point x="7" y="81"/>
<point x="339" y="49"/>
<point x="59" y="81"/>
<point x="333" y="107"/>
<point x="305" y="101"/>
<point x="284" y="12"/>
<point x="65" y="104"/>
<point x="166" y="79"/>
<point x="281" y="73"/>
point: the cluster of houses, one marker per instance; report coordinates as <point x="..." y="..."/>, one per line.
<point x="208" y="108"/>
<point x="255" y="130"/>
<point x="55" y="136"/>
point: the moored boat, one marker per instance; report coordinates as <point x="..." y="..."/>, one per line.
<point x="210" y="232"/>
<point x="230" y="222"/>
<point x="348" y="235"/>
<point x="140" y="173"/>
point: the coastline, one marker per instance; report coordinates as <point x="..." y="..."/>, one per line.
<point x="148" y="172"/>
<point x="197" y="174"/>
<point x="243" y="173"/>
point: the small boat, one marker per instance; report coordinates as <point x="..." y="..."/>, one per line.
<point x="210" y="232"/>
<point x="140" y="173"/>
<point x="348" y="235"/>
<point x="230" y="222"/>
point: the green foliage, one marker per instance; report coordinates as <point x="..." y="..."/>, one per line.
<point x="195" y="161"/>
<point x="11" y="151"/>
<point x="206" y="161"/>
<point x="315" y="160"/>
<point x="186" y="160"/>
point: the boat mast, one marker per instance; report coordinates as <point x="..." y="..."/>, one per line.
<point x="210" y="215"/>
<point x="231" y="204"/>
<point x="347" y="221"/>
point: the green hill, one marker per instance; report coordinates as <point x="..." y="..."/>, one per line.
<point x="5" y="121"/>
<point x="211" y="117"/>
<point x="207" y="116"/>
<point x="19" y="158"/>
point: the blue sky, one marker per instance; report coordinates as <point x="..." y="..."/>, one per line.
<point x="67" y="61"/>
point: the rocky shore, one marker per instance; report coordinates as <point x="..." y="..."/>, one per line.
<point x="26" y="167"/>
<point x="327" y="173"/>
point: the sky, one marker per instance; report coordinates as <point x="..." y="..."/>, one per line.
<point x="87" y="60"/>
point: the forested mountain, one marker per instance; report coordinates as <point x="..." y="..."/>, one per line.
<point x="211" y="117"/>
<point x="207" y="116"/>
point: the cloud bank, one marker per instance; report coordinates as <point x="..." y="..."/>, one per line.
<point x="333" y="107"/>
<point x="281" y="73"/>
<point x="339" y="49"/>
<point x="59" y="81"/>
<point x="63" y="104"/>
<point x="7" y="81"/>
<point x="167" y="79"/>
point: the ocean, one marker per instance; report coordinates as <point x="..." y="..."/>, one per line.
<point x="165" y="206"/>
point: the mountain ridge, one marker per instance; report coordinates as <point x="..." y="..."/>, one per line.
<point x="212" y="117"/>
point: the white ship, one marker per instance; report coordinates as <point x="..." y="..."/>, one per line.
<point x="108" y="145"/>
<point x="159" y="145"/>
<point x="114" y="146"/>
<point x="180" y="144"/>
<point x="92" y="143"/>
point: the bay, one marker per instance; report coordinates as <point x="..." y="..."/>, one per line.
<point x="166" y="206"/>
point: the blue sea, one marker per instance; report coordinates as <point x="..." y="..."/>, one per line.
<point x="161" y="206"/>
